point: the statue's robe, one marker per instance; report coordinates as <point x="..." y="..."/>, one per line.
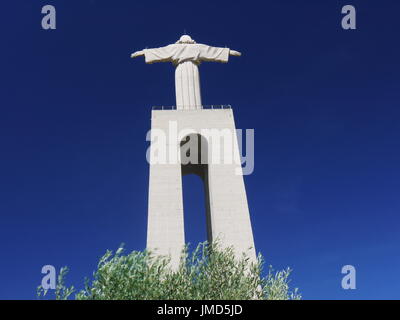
<point x="186" y="58"/>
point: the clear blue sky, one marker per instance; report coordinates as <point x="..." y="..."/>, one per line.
<point x="324" y="104"/>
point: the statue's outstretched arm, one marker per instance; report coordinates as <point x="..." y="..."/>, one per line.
<point x="137" y="54"/>
<point x="152" y="55"/>
<point x="234" y="53"/>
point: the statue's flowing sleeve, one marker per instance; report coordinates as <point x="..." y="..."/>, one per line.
<point x="162" y="54"/>
<point x="208" y="53"/>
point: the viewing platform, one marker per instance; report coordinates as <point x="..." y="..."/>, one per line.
<point x="191" y="108"/>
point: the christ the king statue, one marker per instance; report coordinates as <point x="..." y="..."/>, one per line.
<point x="186" y="55"/>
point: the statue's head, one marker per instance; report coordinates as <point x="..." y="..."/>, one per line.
<point x="186" y="39"/>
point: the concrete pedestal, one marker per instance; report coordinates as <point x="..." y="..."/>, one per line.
<point x="227" y="215"/>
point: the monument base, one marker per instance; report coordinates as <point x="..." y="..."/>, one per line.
<point x="227" y="213"/>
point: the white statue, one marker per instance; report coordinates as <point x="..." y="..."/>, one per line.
<point x="186" y="55"/>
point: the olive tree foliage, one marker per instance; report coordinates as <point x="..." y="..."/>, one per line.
<point x="207" y="273"/>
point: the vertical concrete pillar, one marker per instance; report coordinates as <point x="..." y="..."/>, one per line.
<point x="228" y="212"/>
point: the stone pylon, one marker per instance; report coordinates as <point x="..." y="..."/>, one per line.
<point x="227" y="213"/>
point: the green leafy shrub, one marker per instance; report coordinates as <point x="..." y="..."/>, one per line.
<point x="209" y="272"/>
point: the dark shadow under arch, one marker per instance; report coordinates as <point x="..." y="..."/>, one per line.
<point x="194" y="160"/>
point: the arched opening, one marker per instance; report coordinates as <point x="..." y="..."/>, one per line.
<point x="196" y="194"/>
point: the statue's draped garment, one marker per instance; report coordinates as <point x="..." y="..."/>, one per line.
<point x="186" y="58"/>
